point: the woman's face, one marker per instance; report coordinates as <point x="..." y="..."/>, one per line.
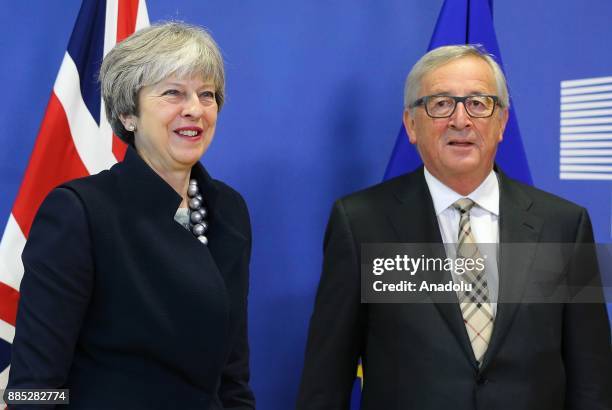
<point x="175" y="123"/>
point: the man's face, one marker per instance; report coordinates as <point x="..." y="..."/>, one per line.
<point x="459" y="147"/>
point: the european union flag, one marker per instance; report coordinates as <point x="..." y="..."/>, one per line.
<point x="467" y="22"/>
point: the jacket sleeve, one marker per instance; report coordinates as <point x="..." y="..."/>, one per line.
<point x="235" y="392"/>
<point x="54" y="293"/>
<point x="335" y="335"/>
<point x="586" y="329"/>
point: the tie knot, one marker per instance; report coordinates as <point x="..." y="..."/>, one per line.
<point x="464" y="205"/>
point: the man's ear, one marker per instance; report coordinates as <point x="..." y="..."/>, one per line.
<point x="409" y="125"/>
<point x="503" y="120"/>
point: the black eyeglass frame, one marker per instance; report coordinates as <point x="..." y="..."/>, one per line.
<point x="423" y="101"/>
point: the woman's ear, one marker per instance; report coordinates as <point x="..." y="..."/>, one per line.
<point x="128" y="121"/>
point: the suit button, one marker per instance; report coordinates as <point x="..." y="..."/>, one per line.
<point x="481" y="380"/>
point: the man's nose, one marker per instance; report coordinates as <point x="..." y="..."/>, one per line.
<point x="460" y="118"/>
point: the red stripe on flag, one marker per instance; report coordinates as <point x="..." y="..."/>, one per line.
<point x="126" y="24"/>
<point x="119" y="148"/>
<point x="54" y="160"/>
<point x="126" y="18"/>
<point x="8" y="307"/>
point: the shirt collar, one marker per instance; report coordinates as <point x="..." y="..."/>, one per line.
<point x="486" y="195"/>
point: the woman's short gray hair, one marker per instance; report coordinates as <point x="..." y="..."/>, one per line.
<point x="151" y="55"/>
<point x="442" y="55"/>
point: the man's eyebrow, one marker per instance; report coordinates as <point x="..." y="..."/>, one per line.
<point x="445" y="93"/>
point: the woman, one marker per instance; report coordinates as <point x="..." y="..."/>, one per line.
<point x="136" y="279"/>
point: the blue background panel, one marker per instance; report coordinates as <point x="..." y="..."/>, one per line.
<point x="314" y="103"/>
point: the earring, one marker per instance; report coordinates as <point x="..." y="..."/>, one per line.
<point x="131" y="128"/>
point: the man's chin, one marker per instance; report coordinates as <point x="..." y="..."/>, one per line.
<point x="460" y="164"/>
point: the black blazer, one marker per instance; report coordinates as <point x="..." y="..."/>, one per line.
<point x="418" y="356"/>
<point x="124" y="306"/>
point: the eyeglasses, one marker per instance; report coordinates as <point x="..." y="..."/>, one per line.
<point x="443" y="106"/>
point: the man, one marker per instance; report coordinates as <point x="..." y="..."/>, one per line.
<point x="462" y="355"/>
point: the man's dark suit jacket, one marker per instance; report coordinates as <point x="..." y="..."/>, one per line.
<point x="124" y="306"/>
<point x="418" y="356"/>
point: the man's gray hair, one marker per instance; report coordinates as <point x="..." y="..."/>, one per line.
<point x="443" y="55"/>
<point x="151" y="55"/>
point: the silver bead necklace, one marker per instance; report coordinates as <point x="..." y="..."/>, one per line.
<point x="197" y="212"/>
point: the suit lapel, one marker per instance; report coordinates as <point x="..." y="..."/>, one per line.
<point x="413" y="219"/>
<point x="517" y="227"/>
<point x="225" y="243"/>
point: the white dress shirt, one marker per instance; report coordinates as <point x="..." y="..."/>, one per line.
<point x="484" y="221"/>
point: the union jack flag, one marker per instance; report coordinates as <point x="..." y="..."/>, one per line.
<point x="74" y="140"/>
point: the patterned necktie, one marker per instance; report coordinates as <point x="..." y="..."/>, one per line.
<point x="475" y="306"/>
